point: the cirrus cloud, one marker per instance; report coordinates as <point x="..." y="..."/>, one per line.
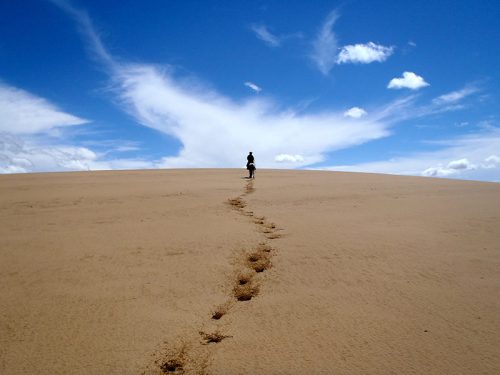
<point x="456" y="96"/>
<point x="253" y="86"/>
<point x="265" y="35"/>
<point x="324" y="53"/>
<point x="24" y="113"/>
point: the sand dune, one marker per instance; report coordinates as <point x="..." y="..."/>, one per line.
<point x="204" y="272"/>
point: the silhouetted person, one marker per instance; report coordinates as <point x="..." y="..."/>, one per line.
<point x="251" y="165"/>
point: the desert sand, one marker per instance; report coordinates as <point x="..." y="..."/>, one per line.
<point x="204" y="272"/>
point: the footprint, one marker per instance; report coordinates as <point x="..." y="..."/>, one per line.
<point x="172" y="365"/>
<point x="220" y="311"/>
<point x="237" y="202"/>
<point x="245" y="292"/>
<point x="259" y="261"/>
<point x="244" y="279"/>
<point x="264" y="247"/>
<point x="174" y="361"/>
<point x="214" y="337"/>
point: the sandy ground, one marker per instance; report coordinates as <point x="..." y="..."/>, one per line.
<point x="122" y="272"/>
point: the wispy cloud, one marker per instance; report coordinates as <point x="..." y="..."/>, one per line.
<point x="326" y="52"/>
<point x="325" y="45"/>
<point x="273" y="40"/>
<point x="449" y="102"/>
<point x="20" y="154"/>
<point x="409" y="80"/>
<point x="87" y="28"/>
<point x="456" y="96"/>
<point x="364" y="53"/>
<point x="262" y="32"/>
<point x="473" y="156"/>
<point x="279" y="137"/>
<point x="157" y="100"/>
<point x="192" y="114"/>
<point x="24" y="113"/>
<point x="113" y="145"/>
<point x="253" y="86"/>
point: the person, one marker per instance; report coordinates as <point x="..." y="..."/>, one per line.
<point x="251" y="165"/>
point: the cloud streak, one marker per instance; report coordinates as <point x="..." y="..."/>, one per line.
<point x="265" y="35"/>
<point x="25" y="113"/>
<point x="253" y="86"/>
<point x="456" y="96"/>
<point x="325" y="45"/>
<point x="471" y="157"/>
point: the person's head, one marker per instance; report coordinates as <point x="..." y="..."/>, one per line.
<point x="250" y="152"/>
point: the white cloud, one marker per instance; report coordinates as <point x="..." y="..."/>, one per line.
<point x="18" y="155"/>
<point x="21" y="155"/>
<point x="326" y="52"/>
<point x="355" y="112"/>
<point x="364" y="53"/>
<point x="492" y="159"/>
<point x="214" y="129"/>
<point x="253" y="86"/>
<point x="27" y="126"/>
<point x="283" y="158"/>
<point x="325" y="45"/>
<point x="409" y="80"/>
<point x="469" y="157"/>
<point x="456" y="96"/>
<point x="195" y="115"/>
<point x="264" y="34"/>
<point x="25" y="113"/>
<point x="461" y="164"/>
<point x="453" y="167"/>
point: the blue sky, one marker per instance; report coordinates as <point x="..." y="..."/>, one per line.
<point x="398" y="87"/>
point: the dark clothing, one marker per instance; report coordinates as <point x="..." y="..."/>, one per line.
<point x="251" y="165"/>
<point x="251" y="170"/>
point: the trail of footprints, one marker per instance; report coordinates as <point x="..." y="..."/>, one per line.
<point x="195" y="358"/>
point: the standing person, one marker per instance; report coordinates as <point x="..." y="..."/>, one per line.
<point x="251" y="165"/>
